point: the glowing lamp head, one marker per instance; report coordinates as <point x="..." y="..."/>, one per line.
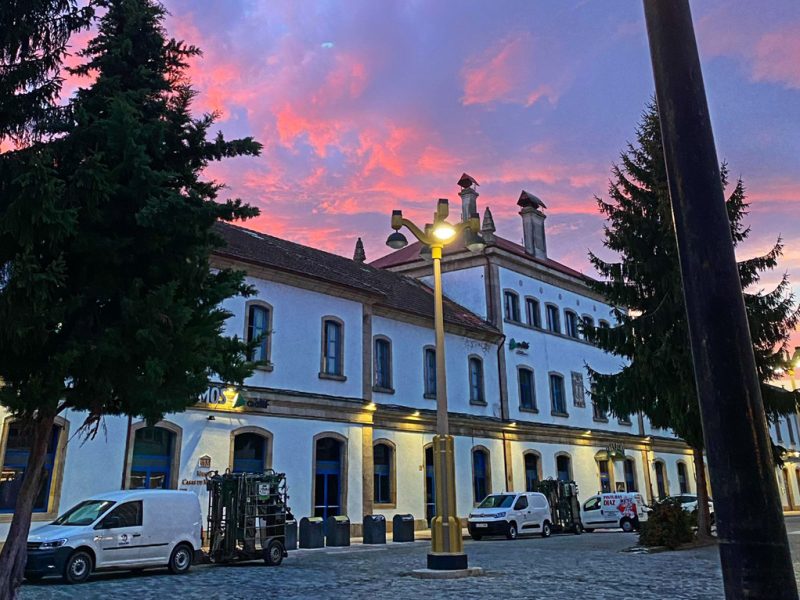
<point x="396" y="240"/>
<point x="443" y="231"/>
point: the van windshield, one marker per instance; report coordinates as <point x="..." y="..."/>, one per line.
<point x="84" y="513"/>
<point x="497" y="501"/>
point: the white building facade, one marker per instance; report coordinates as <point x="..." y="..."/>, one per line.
<point x="343" y="398"/>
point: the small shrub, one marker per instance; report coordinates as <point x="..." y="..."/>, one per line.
<point x="667" y="525"/>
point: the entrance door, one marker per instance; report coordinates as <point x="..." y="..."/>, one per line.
<point x="153" y="448"/>
<point x="328" y="478"/>
<point x="430" y="493"/>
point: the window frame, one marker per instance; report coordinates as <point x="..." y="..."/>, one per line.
<point x="392" y="473"/>
<point x="266" y="364"/>
<point x="264" y="433"/>
<point x="665" y="479"/>
<point x="426" y="393"/>
<point x="536" y="323"/>
<point x="571" y="316"/>
<point x="563" y="389"/>
<point x="551" y="312"/>
<point x="538" y="456"/>
<point x="568" y="456"/>
<point x="481" y="400"/>
<point x="685" y="483"/>
<point x="56" y="475"/>
<point x="175" y="459"/>
<point x="487" y="475"/>
<point x="533" y="408"/>
<point x="340" y="363"/>
<point x="376" y="385"/>
<point x="343" y="469"/>
<point x="516" y="316"/>
<point x="625" y="462"/>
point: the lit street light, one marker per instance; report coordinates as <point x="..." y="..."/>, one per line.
<point x="447" y="549"/>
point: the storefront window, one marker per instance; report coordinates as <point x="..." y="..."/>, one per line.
<point x="18" y="443"/>
<point x="151" y="467"/>
<point x="605" y="476"/>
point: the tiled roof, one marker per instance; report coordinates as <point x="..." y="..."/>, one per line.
<point x="393" y="290"/>
<point x="410" y="254"/>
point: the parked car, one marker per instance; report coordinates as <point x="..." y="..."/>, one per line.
<point x="625" y="510"/>
<point x="688" y="503"/>
<point x="511" y="514"/>
<point x="132" y="529"/>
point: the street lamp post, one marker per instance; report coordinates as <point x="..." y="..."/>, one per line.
<point x="447" y="548"/>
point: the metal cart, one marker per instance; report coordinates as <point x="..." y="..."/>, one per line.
<point x="564" y="506"/>
<point x="247" y="515"/>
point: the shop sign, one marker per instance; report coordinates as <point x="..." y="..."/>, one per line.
<point x="219" y="397"/>
<point x="616" y="450"/>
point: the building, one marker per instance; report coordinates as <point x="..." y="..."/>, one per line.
<point x="343" y="399"/>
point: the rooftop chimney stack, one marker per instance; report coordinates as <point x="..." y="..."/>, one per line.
<point x="533" y="224"/>
<point x="469" y="196"/>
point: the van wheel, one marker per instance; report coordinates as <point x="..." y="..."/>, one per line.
<point x="78" y="567"/>
<point x="476" y="536"/>
<point x="511" y="532"/>
<point x="627" y="525"/>
<point x="273" y="555"/>
<point x="547" y="529"/>
<point x="181" y="560"/>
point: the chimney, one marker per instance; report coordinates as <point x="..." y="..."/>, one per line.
<point x="533" y="224"/>
<point x="359" y="255"/>
<point x="469" y="196"/>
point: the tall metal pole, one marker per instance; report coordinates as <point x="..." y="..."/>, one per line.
<point x="754" y="548"/>
<point x="447" y="547"/>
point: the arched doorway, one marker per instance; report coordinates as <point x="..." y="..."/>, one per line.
<point x="430" y="489"/>
<point x="153" y="451"/>
<point x="328" y="477"/>
<point x="630" y="475"/>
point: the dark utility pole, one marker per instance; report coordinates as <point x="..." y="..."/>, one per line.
<point x="754" y="549"/>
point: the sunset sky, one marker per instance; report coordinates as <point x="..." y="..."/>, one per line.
<point x="364" y="107"/>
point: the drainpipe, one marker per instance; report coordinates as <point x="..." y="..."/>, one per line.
<point x="127" y="449"/>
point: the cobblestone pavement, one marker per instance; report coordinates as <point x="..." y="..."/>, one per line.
<point x="561" y="567"/>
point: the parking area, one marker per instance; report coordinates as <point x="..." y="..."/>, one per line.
<point x="562" y="567"/>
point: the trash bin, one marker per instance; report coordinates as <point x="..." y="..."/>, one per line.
<point x="291" y="535"/>
<point x="374" y="529"/>
<point x="403" y="528"/>
<point x="338" y="531"/>
<point x="311" y="532"/>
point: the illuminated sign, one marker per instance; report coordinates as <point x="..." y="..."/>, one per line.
<point x="228" y="398"/>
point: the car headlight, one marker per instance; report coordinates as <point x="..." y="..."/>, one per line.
<point x="53" y="544"/>
<point x="500" y="515"/>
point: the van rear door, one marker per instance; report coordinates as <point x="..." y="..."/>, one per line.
<point x="162" y="517"/>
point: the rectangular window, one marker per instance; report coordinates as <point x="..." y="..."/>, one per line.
<point x="430" y="372"/>
<point x="790" y="430"/>
<point x="258" y="332"/>
<point x="588" y="323"/>
<point x="578" y="391"/>
<point x="597" y="413"/>
<point x="553" y="321"/>
<point x="532" y="313"/>
<point x="778" y="431"/>
<point x="571" y="323"/>
<point x="383" y="364"/>
<point x="557" y="394"/>
<point x="511" y="306"/>
<point x="527" y="398"/>
<point x="333" y="348"/>
<point x="476" y="381"/>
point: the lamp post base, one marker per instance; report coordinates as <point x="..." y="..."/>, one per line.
<point x="447" y="561"/>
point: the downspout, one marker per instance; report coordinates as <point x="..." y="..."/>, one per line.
<point x="125" y="457"/>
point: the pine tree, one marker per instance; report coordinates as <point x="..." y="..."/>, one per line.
<point x="108" y="305"/>
<point x="645" y="285"/>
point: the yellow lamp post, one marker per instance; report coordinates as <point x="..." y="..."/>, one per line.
<point x="794" y="364"/>
<point x="447" y="548"/>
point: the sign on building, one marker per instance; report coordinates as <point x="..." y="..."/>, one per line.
<point x="578" y="391"/>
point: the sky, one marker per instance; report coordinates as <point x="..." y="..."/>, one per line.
<point x="374" y="105"/>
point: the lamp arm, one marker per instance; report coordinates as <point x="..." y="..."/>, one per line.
<point x="418" y="233"/>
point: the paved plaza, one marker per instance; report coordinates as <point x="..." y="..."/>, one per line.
<point x="562" y="567"/>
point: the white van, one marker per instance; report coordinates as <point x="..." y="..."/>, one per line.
<point x="511" y="514"/>
<point x="621" y="509"/>
<point x="131" y="529"/>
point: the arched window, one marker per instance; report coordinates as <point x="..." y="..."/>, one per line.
<point x="605" y="475"/>
<point x="571" y="323"/>
<point x="553" y="320"/>
<point x="15" y="446"/>
<point x="476" y="395"/>
<point x="604" y="324"/>
<point x="683" y="481"/>
<point x="558" y="400"/>
<point x="251" y="450"/>
<point x="630" y="475"/>
<point x="154" y="463"/>
<point x="258" y="331"/>
<point x="532" y="475"/>
<point x="429" y="358"/>
<point x="588" y="323"/>
<point x="564" y="467"/>
<point x="661" y="479"/>
<point x="383" y="364"/>
<point x="481" y="480"/>
<point x="533" y="312"/>
<point x="332" y="347"/>
<point x="527" y="396"/>
<point x="511" y="306"/>
<point x="330" y="477"/>
<point x="383" y="460"/>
